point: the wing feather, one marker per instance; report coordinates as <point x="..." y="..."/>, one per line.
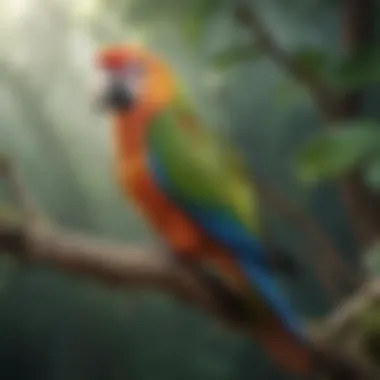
<point x="203" y="177"/>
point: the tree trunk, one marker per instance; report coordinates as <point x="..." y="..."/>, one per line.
<point x="358" y="36"/>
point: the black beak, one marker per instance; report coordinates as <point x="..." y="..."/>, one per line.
<point x="117" y="98"/>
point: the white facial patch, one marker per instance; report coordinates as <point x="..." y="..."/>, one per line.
<point x="132" y="76"/>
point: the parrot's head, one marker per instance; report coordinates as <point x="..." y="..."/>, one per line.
<point x="133" y="77"/>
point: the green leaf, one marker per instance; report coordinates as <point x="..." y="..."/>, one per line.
<point x="335" y="152"/>
<point x="196" y="21"/>
<point x="234" y="55"/>
<point x="359" y="71"/>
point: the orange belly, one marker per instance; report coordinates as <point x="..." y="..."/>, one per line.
<point x="181" y="234"/>
<point x="178" y="231"/>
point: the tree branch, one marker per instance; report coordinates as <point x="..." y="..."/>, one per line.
<point x="129" y="266"/>
<point x="33" y="238"/>
<point x="357" y="36"/>
<point x="323" y="95"/>
<point x="362" y="206"/>
<point x="343" y="317"/>
<point x="116" y="264"/>
<point x="137" y="267"/>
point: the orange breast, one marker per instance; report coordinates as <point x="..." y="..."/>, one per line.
<point x="179" y="232"/>
<point x="171" y="223"/>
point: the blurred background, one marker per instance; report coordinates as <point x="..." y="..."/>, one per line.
<point x="57" y="326"/>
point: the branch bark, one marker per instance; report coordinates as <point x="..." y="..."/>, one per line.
<point x="145" y="268"/>
<point x="130" y="266"/>
<point x="116" y="264"/>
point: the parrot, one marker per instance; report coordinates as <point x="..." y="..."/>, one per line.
<point x="195" y="191"/>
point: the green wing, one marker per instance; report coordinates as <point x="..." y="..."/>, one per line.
<point x="202" y="167"/>
<point x="202" y="175"/>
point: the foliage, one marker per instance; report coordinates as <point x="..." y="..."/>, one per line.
<point x="196" y="20"/>
<point x="360" y="71"/>
<point x="339" y="150"/>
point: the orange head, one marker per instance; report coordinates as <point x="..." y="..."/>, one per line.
<point x="134" y="77"/>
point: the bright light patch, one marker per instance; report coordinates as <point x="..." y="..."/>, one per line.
<point x="82" y="49"/>
<point x="85" y="8"/>
<point x="15" y="9"/>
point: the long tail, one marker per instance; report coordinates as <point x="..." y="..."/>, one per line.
<point x="288" y="351"/>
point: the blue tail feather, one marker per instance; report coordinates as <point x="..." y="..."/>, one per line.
<point x="250" y="254"/>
